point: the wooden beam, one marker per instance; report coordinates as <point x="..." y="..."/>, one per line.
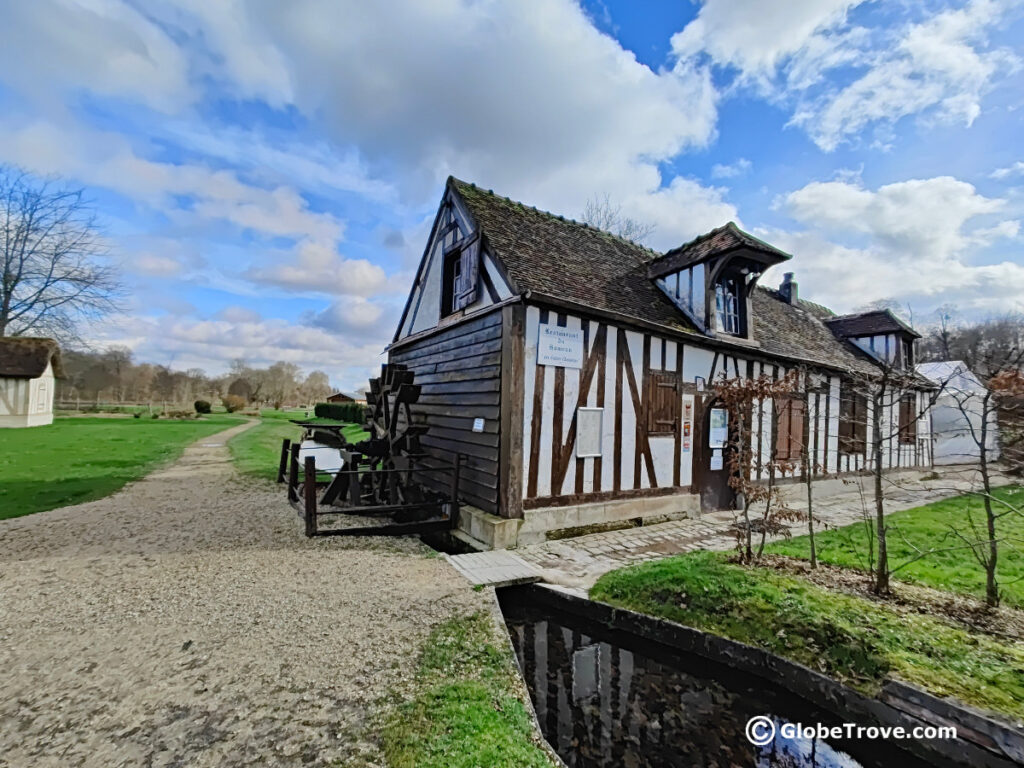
<point x="511" y="422"/>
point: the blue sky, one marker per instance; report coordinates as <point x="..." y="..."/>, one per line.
<point x="266" y="172"/>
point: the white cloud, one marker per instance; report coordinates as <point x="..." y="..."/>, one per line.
<point x="209" y="344"/>
<point x="803" y="53"/>
<point x="1014" y="169"/>
<point x="756" y="37"/>
<point x="940" y="65"/>
<point x="318" y="268"/>
<point x="916" y="240"/>
<point x="156" y="265"/>
<point x="680" y="211"/>
<point x="53" y="49"/>
<point x="356" y="315"/>
<point x="731" y="170"/>
<point x="528" y="98"/>
<point x="108" y="160"/>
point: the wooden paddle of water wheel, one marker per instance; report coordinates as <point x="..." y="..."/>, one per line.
<point x="382" y="476"/>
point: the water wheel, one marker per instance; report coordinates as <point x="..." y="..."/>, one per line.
<point x="394" y="439"/>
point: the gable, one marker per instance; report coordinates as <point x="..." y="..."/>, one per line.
<point x="481" y="282"/>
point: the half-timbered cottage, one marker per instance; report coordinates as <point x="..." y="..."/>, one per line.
<point x="574" y="369"/>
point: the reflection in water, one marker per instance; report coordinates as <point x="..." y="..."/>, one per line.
<point x="601" y="704"/>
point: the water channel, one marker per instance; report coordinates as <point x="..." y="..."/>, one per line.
<point x="604" y="699"/>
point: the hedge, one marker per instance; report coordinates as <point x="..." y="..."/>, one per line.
<point x="354" y="413"/>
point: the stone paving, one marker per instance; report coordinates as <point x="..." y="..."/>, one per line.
<point x="580" y="561"/>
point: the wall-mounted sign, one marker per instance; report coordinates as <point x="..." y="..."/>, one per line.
<point x="478" y="425"/>
<point x="562" y="347"/>
<point x="716" y="460"/>
<point x="588" y="432"/>
<point x="718" y="431"/>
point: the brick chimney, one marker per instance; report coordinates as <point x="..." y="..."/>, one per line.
<point x="788" y="289"/>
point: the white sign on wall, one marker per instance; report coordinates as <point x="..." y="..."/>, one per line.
<point x="562" y="347"/>
<point x="588" y="432"/>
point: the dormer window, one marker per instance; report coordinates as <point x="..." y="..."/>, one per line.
<point x="712" y="277"/>
<point x="727" y="306"/>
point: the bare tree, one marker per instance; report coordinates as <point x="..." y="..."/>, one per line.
<point x="997" y="367"/>
<point x="316" y="387"/>
<point x="52" y="270"/>
<point x="739" y="397"/>
<point x="602" y="213"/>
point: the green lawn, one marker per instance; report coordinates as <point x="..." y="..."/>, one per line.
<point x="465" y="713"/>
<point x="257" y="451"/>
<point x="85" y="458"/>
<point x="849" y="638"/>
<point x="927" y="527"/>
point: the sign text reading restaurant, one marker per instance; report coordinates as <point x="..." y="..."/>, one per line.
<point x="558" y="346"/>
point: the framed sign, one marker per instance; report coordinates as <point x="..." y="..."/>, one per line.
<point x="716" y="460"/>
<point x="561" y="347"/>
<point x="718" y="429"/>
<point x="588" y="432"/>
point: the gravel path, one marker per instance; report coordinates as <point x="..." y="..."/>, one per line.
<point x="186" y="621"/>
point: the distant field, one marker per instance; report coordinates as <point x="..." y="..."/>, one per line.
<point x="84" y="458"/>
<point x="257" y="451"/>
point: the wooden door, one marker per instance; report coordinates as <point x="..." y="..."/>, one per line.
<point x="711" y="462"/>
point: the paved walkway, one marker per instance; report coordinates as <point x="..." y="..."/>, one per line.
<point x="580" y="561"/>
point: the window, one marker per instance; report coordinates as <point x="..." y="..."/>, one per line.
<point x="460" y="272"/>
<point x="853" y="420"/>
<point x="908" y="419"/>
<point x="664" y="402"/>
<point x="452" y="285"/>
<point x="727" y="306"/>
<point x="789" y="436"/>
<point x="907" y="353"/>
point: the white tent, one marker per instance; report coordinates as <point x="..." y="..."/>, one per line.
<point x="957" y="413"/>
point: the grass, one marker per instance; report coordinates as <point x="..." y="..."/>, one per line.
<point x="75" y="460"/>
<point x="927" y="527"/>
<point x="257" y="451"/>
<point x="465" y="713"/>
<point x="849" y="638"/>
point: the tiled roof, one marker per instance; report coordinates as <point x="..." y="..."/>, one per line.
<point x="870" y="323"/>
<point x="24" y="357"/>
<point x="798" y="332"/>
<point x="560" y="257"/>
<point x="566" y="259"/>
<point x="721" y="240"/>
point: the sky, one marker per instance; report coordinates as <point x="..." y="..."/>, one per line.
<point x="266" y="173"/>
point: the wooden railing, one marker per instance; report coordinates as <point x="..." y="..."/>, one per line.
<point x="342" y="494"/>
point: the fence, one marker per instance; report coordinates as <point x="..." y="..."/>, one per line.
<point x="343" y="494"/>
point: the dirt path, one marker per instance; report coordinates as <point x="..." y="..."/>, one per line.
<point x="185" y="621"/>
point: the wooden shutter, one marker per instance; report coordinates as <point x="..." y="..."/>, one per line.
<point x="664" y="402"/>
<point x="789" y="437"/>
<point x="853" y="420"/>
<point x="466" y="290"/>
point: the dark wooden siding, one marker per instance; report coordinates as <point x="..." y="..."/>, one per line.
<point x="460" y="371"/>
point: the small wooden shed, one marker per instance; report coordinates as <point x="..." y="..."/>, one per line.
<point x="28" y="369"/>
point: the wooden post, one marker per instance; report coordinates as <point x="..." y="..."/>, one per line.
<point x="309" y="492"/>
<point x="354" y="489"/>
<point x="283" y="466"/>
<point x="293" y="474"/>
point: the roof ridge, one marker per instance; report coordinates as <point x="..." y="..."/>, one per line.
<point x="558" y="217"/>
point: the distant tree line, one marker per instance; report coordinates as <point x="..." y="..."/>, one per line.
<point x="112" y="376"/>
